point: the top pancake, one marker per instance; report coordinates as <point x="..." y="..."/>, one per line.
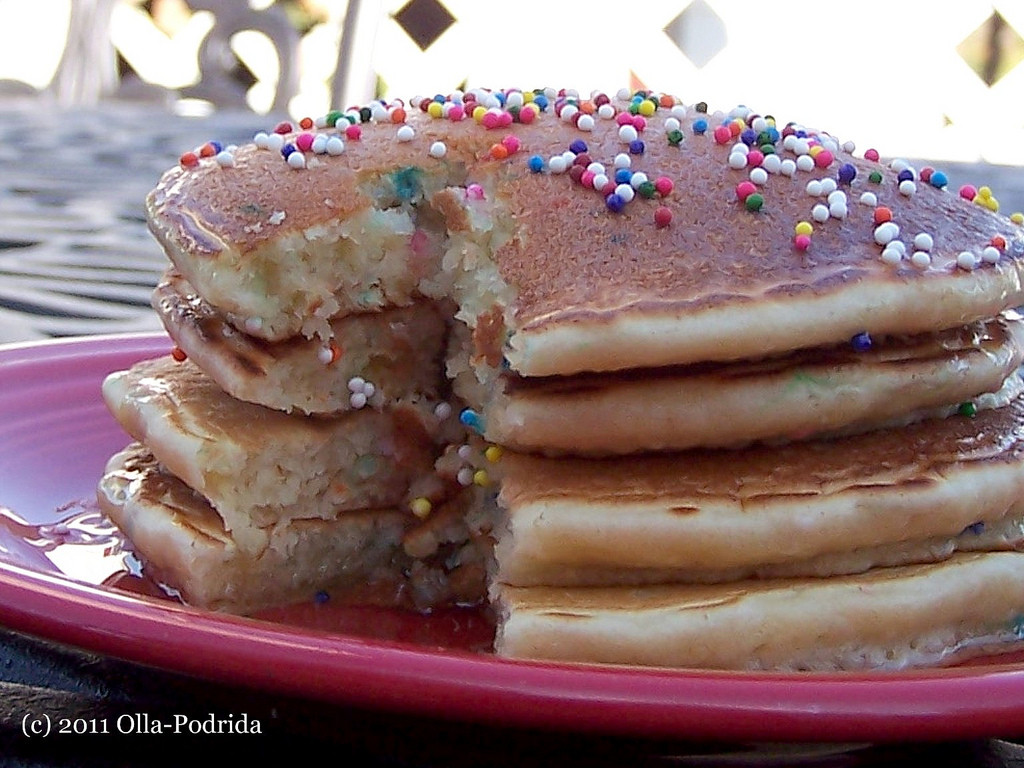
<point x="552" y="280"/>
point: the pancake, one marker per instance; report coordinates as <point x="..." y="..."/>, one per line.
<point x="258" y="466"/>
<point x="397" y="350"/>
<point x="553" y="277"/>
<point x="885" y="619"/>
<point x="805" y="394"/>
<point x="812" y="507"/>
<point x="182" y="543"/>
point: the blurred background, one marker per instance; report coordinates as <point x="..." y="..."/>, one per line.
<point x="99" y="97"/>
<point x="915" y="77"/>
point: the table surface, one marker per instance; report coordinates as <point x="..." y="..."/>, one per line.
<point x="76" y="259"/>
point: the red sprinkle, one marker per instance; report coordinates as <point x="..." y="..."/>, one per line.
<point x="823" y="159"/>
<point x="662" y="217"/>
<point x="189" y="160"/>
<point x="398" y="115"/>
<point x="179" y="354"/>
<point x="663" y="185"/>
<point x="207" y="150"/>
<point x="998" y="241"/>
<point x="306" y="123"/>
<point x="882" y="215"/>
<point x="925" y="174"/>
<point x="872" y="155"/>
<point x="722" y="134"/>
<point x="283" y="127"/>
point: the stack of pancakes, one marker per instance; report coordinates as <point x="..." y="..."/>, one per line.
<point x="755" y="394"/>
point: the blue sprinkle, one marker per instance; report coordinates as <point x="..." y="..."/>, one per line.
<point x="938" y="179"/>
<point x="321" y="597"/>
<point x="861" y="342"/>
<point x="614" y="202"/>
<point x="536" y="163"/>
<point x="748" y="137"/>
<point x="700" y="126"/>
<point x="471" y="419"/>
<point x="578" y="147"/>
<point x="975" y="528"/>
<point x="287" y="149"/>
<point x="623" y="175"/>
<point x="636" y="147"/>
<point x="847" y="173"/>
<point x="774" y="135"/>
<point x="541" y="101"/>
<point x="217" y="147"/>
<point x="905" y="175"/>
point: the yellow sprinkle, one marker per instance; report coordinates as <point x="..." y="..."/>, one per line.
<point x="421" y="507"/>
<point x="1017" y="218"/>
<point x="985" y="192"/>
<point x="481" y="478"/>
<point x="527" y="97"/>
<point x="816" y="150"/>
<point x="647" y="107"/>
<point x="479" y="112"/>
<point x="493" y="453"/>
<point x="804" y="228"/>
<point x="992" y="204"/>
<point x="434" y="109"/>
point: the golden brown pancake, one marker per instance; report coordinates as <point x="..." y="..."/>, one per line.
<point x="396" y="351"/>
<point x="551" y="279"/>
<point x="885" y="619"/>
<point x="814" y="507"/>
<point x="805" y="394"/>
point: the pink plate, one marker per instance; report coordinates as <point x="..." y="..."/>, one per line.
<point x="55" y="436"/>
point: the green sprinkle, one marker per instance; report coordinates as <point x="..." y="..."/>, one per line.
<point x="647" y="190"/>
<point x="754" y="202"/>
<point x="875" y="177"/>
<point x="675" y="138"/>
<point x="968" y="409"/>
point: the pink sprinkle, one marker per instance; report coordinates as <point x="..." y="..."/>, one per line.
<point x="353" y="132"/>
<point x="505" y="119"/>
<point x="511" y="142"/>
<point x="745" y="188"/>
<point x="490" y="120"/>
<point x="526" y="115"/>
<point x="723" y="134"/>
<point x="823" y="159"/>
<point x="624" y="118"/>
<point x="754" y="158"/>
<point x="304" y="141"/>
<point x="475" y="192"/>
<point x="664" y="185"/>
<point x="968" y="192"/>
<point x="802" y="242"/>
<point x="662" y="217"/>
<point x="871" y="154"/>
<point x="639" y="122"/>
<point x="456" y="113"/>
<point x="587" y="179"/>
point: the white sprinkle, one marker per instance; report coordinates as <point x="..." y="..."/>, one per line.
<point x="606" y="111"/>
<point x="899" y="246"/>
<point x="789" y="142"/>
<point x="837" y="209"/>
<point x="772" y="163"/>
<point x="600" y="181"/>
<point x="585" y="123"/>
<point x="465" y="476"/>
<point x="820" y="213"/>
<point x="740" y="147"/>
<point x="622" y="160"/>
<point x="596" y="167"/>
<point x="759" y="124"/>
<point x="253" y="324"/>
<point x="637" y="179"/>
<point x="465" y="452"/>
<point x="849" y="147"/>
<point x="335" y="146"/>
<point x="787" y="167"/>
<point x="990" y="255"/>
<point x="908" y="188"/>
<point x="297" y="160"/>
<point x="891" y="255"/>
<point x="225" y="159"/>
<point x="886" y="232"/>
<point x="627" y="133"/>
<point x="369" y="389"/>
<point x="899" y="165"/>
<point x="442" y="411"/>
<point x="277" y="216"/>
<point x="438" y="149"/>
<point x="869" y="199"/>
<point x="759" y="176"/>
<point x="966" y="260"/>
<point x="626" y="192"/>
<point x="805" y="163"/>
<point x="321" y="122"/>
<point x="324" y="355"/>
<point x="570" y="158"/>
<point x="405" y="133"/>
<point x="261" y="140"/>
<point x="679" y="111"/>
<point x="737" y="161"/>
<point x="569" y="111"/>
<point x="828" y="186"/>
<point x="557" y="164"/>
<point x="378" y="112"/>
<point x="836" y="195"/>
<point x="672" y="124"/>
<point x="356" y="384"/>
<point x="319" y="145"/>
<point x="274" y="142"/>
<point x="921" y="259"/>
<point x="923" y="241"/>
<point x="813" y="188"/>
<point x="514" y="99"/>
<point x="801" y="147"/>
<point x="357" y="400"/>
